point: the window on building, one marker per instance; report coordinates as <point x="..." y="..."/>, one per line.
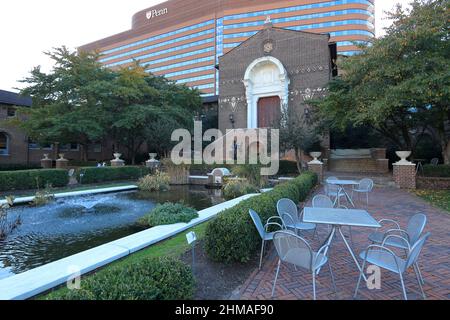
<point x="4" y="144"/>
<point x="11" y="112"/>
<point x="70" y="147"/>
<point x="95" y="147"/>
<point x="33" y="145"/>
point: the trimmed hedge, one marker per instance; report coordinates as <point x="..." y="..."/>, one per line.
<point x="237" y="188"/>
<point x="442" y="171"/>
<point x="148" y="279"/>
<point x="15" y="167"/>
<point x="32" y="179"/>
<point x="232" y="236"/>
<point x="104" y="174"/>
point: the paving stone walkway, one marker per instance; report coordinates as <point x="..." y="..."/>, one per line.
<point x="388" y="203"/>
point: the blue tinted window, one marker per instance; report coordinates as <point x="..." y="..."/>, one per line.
<point x="199" y="78"/>
<point x="182" y="72"/>
<point x="161" y="36"/>
<point x="182" y="64"/>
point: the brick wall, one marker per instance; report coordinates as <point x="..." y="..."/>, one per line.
<point x="405" y="176"/>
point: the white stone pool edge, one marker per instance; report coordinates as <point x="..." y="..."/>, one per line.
<point x="38" y="280"/>
<point x="22" y="200"/>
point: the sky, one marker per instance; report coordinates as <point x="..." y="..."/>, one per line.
<point x="30" y="27"/>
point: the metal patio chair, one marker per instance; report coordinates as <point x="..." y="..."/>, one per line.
<point x="288" y="211"/>
<point x="434" y="161"/>
<point x="332" y="190"/>
<point x="263" y="230"/>
<point x="383" y="257"/>
<point x="295" y="250"/>
<point x="414" y="229"/>
<point x="364" y="186"/>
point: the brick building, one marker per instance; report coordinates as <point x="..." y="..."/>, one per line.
<point x="17" y="149"/>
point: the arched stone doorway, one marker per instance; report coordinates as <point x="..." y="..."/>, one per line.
<point x="265" y="79"/>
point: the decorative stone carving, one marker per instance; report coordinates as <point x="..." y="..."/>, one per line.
<point x="117" y="162"/>
<point x="46" y="163"/>
<point x="403" y="155"/>
<point x="152" y="163"/>
<point x="62" y="163"/>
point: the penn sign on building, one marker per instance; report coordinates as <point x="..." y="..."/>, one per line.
<point x="183" y="39"/>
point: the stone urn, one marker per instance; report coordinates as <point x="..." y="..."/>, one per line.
<point x="315" y="156"/>
<point x="117" y="162"/>
<point x="46" y="163"/>
<point x="403" y="155"/>
<point x="61" y="163"/>
<point x="152" y="163"/>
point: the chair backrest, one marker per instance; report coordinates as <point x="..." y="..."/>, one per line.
<point x="322" y="201"/>
<point x="434" y="161"/>
<point x="293" y="249"/>
<point x="287" y="206"/>
<point x="416" y="249"/>
<point x="415" y="227"/>
<point x="366" y="184"/>
<point x="257" y="221"/>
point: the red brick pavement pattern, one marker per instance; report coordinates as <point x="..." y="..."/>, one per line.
<point x="384" y="203"/>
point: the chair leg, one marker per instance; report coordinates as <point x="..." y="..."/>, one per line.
<point x="420" y="273"/>
<point x="419" y="281"/>
<point x="262" y="252"/>
<point x="315" y="231"/>
<point x="314" y="284"/>
<point x="367" y="195"/>
<point x="276" y="277"/>
<point x="403" y="286"/>
<point x="332" y="277"/>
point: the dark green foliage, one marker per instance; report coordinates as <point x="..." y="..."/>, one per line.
<point x="287" y="168"/>
<point x="15" y="167"/>
<point x="168" y="213"/>
<point x="236" y="188"/>
<point x="232" y="236"/>
<point x="102" y="174"/>
<point x="32" y="179"/>
<point x="436" y="171"/>
<point x="148" y="279"/>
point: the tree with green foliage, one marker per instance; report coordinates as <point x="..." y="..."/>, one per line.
<point x="70" y="104"/>
<point x="399" y="84"/>
<point x="81" y="101"/>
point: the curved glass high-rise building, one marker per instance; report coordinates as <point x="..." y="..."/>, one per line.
<point x="182" y="39"/>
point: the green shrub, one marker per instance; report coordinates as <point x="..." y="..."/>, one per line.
<point x="287" y="168"/>
<point x="437" y="171"/>
<point x="232" y="236"/>
<point x="148" y="279"/>
<point x="32" y="179"/>
<point x="159" y="181"/>
<point x="168" y="213"/>
<point x="236" y="188"/>
<point x="15" y="167"/>
<point x="103" y="174"/>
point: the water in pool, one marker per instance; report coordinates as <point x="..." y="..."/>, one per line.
<point x="71" y="225"/>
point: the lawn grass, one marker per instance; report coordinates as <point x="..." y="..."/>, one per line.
<point x="438" y="198"/>
<point x="173" y="247"/>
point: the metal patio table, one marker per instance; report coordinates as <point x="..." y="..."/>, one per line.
<point x="341" y="184"/>
<point x="338" y="218"/>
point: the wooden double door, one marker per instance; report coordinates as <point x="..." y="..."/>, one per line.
<point x="269" y="111"/>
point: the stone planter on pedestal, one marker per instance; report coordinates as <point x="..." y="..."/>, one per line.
<point x="152" y="164"/>
<point x="316" y="165"/>
<point x="117" y="162"/>
<point x="46" y="163"/>
<point x="62" y="163"/>
<point x="404" y="171"/>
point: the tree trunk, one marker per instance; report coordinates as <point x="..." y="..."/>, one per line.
<point x="84" y="153"/>
<point x="298" y="160"/>
<point x="446" y="151"/>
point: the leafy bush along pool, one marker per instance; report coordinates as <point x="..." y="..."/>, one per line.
<point x="71" y="225"/>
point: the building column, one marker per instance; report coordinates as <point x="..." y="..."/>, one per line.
<point x="405" y="175"/>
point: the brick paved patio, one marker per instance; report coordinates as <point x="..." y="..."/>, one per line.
<point x="384" y="203"/>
